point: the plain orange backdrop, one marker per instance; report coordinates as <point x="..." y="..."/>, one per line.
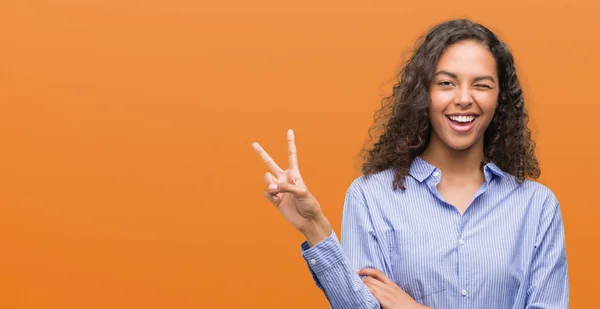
<point x="127" y="177"/>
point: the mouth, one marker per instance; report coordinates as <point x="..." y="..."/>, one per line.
<point x="462" y="123"/>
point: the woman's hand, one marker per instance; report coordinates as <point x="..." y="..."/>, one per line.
<point x="389" y="295"/>
<point x="288" y="192"/>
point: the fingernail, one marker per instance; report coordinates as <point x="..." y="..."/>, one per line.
<point x="273" y="187"/>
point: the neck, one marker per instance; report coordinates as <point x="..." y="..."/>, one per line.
<point x="454" y="163"/>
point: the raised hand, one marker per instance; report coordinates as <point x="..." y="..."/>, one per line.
<point x="288" y="192"/>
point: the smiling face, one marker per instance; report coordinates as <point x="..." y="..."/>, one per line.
<point x="464" y="95"/>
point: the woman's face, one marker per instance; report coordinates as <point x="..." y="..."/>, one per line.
<point x="464" y="94"/>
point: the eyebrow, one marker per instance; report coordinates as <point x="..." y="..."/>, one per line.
<point x="476" y="79"/>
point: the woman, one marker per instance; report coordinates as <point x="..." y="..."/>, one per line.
<point x="443" y="215"/>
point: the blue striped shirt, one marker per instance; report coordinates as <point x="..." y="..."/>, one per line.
<point x="506" y="251"/>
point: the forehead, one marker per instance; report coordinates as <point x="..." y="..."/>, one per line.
<point x="467" y="58"/>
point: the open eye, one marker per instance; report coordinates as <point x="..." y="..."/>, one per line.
<point x="445" y="83"/>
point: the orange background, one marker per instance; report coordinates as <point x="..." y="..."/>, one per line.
<point x="127" y="177"/>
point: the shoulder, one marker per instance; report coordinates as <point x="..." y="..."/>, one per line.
<point x="531" y="190"/>
<point x="541" y="190"/>
<point x="536" y="191"/>
<point x="533" y="197"/>
<point x="374" y="183"/>
<point x="377" y="189"/>
<point x="544" y="208"/>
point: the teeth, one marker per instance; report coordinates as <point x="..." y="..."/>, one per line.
<point x="462" y="118"/>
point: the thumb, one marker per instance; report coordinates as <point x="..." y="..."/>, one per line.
<point x="288" y="188"/>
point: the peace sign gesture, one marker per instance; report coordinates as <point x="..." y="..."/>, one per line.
<point x="288" y="192"/>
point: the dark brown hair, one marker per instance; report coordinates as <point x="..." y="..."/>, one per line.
<point x="404" y="122"/>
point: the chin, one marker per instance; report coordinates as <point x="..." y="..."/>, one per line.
<point x="458" y="144"/>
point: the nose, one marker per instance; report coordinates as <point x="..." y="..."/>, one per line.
<point x="463" y="97"/>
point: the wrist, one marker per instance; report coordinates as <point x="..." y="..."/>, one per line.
<point x="316" y="230"/>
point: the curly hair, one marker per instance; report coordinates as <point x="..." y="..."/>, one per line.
<point x="403" y="118"/>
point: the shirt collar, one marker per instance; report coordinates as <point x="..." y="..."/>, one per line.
<point x="421" y="169"/>
<point x="494" y="169"/>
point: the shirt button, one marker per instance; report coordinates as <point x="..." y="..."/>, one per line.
<point x="436" y="174"/>
<point x="313" y="262"/>
<point x="462" y="242"/>
<point x="463" y="292"/>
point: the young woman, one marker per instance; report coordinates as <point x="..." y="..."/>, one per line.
<point x="444" y="215"/>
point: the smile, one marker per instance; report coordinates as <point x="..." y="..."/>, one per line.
<point x="462" y="118"/>
<point x="462" y="123"/>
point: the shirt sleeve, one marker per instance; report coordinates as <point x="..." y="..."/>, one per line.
<point x="549" y="280"/>
<point x="334" y="265"/>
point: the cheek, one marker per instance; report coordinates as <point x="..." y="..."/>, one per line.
<point x="487" y="101"/>
<point x="440" y="100"/>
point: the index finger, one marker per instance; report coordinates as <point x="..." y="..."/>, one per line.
<point x="267" y="159"/>
<point x="375" y="273"/>
<point x="293" y="153"/>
